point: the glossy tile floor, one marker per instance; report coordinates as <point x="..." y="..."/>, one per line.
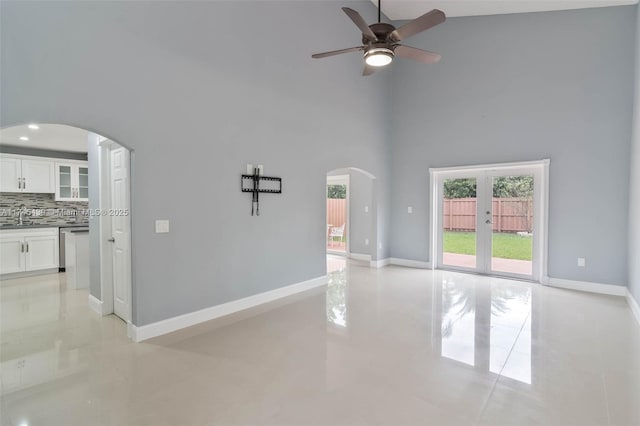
<point x="387" y="347"/>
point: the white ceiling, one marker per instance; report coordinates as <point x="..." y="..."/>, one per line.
<point x="56" y="137"/>
<point x="403" y="9"/>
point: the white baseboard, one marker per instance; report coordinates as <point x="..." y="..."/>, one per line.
<point x="380" y="263"/>
<point x="410" y="263"/>
<point x="360" y="256"/>
<point x="169" y="325"/>
<point x="633" y="304"/>
<point x="95" y="304"/>
<point x="614" y="290"/>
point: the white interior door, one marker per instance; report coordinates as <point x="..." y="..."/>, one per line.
<point x="491" y="220"/>
<point x="121" y="232"/>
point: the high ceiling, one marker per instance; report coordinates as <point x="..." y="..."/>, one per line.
<point x="403" y="9"/>
<point x="55" y="137"/>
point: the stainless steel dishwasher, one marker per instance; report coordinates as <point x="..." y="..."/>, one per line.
<point x="62" y="231"/>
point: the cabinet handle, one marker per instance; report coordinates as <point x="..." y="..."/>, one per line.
<point x="21" y="247"/>
<point x="24" y="183"/>
<point x="27" y="247"/>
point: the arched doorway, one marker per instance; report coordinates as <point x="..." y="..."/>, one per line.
<point x="74" y="186"/>
<point x="351" y="214"/>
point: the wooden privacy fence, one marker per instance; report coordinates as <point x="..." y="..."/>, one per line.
<point x="509" y="214"/>
<point x="336" y="211"/>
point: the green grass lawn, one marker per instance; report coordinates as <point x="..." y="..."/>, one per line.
<point x="505" y="245"/>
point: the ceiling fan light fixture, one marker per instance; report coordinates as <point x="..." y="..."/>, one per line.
<point x="378" y="56"/>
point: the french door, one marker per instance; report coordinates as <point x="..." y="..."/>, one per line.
<point x="491" y="219"/>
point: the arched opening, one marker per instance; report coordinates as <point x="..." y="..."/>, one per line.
<point x="351" y="216"/>
<point x="65" y="220"/>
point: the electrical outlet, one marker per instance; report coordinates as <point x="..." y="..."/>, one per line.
<point x="409" y="209"/>
<point x="366" y="241"/>
<point x="261" y="169"/>
<point x="582" y="262"/>
<point x="249" y="169"/>
<point x="366" y="209"/>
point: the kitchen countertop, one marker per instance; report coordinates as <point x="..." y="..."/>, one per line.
<point x="45" y="225"/>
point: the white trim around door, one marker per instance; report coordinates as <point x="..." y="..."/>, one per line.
<point x="484" y="174"/>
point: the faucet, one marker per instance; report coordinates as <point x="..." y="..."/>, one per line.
<point x="23" y="211"/>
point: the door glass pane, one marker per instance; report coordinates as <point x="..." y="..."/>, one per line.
<point x="65" y="192"/>
<point x="459" y="210"/>
<point x="84" y="192"/>
<point x="83" y="180"/>
<point x="512" y="217"/>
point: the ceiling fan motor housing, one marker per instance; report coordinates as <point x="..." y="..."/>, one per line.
<point x="381" y="30"/>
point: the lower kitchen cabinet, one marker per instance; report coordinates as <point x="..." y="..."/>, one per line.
<point x="26" y="250"/>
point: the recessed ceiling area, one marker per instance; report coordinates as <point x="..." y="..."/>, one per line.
<point x="56" y="137"/>
<point x="403" y="9"/>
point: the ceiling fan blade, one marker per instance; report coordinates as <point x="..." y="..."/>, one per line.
<point x="336" y="52"/>
<point x="416" y="54"/>
<point x="368" y="70"/>
<point x="360" y="23"/>
<point x="422" y="23"/>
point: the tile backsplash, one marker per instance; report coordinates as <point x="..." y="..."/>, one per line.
<point x="40" y="208"/>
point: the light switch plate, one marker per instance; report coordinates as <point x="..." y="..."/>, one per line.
<point x="409" y="209"/>
<point x="249" y="169"/>
<point x="260" y="169"/>
<point x="366" y="241"/>
<point x="582" y="262"/>
<point x="162" y="226"/>
<point x="366" y="209"/>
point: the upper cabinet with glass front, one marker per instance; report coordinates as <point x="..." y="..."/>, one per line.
<point x="72" y="181"/>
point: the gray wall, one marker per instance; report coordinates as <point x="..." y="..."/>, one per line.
<point x="197" y="97"/>
<point x="634" y="193"/>
<point x="94" y="222"/>
<point x="524" y="87"/>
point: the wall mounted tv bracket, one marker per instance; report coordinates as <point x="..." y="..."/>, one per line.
<point x="256" y="184"/>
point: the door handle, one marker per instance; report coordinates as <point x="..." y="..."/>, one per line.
<point x="488" y="222"/>
<point x="112" y="240"/>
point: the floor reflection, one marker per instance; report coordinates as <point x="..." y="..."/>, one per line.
<point x="337" y="298"/>
<point x="488" y="327"/>
<point x="458" y="322"/>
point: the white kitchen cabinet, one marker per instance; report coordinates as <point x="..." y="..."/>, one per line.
<point x="10" y="174"/>
<point x="20" y="173"/>
<point x="72" y="181"/>
<point x="26" y="250"/>
<point x="11" y="253"/>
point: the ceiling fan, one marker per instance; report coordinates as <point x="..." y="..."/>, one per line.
<point x="381" y="41"/>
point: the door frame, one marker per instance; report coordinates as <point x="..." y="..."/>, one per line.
<point x="541" y="212"/>
<point x="341" y="180"/>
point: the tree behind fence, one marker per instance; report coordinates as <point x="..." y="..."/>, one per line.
<point x="509" y="214"/>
